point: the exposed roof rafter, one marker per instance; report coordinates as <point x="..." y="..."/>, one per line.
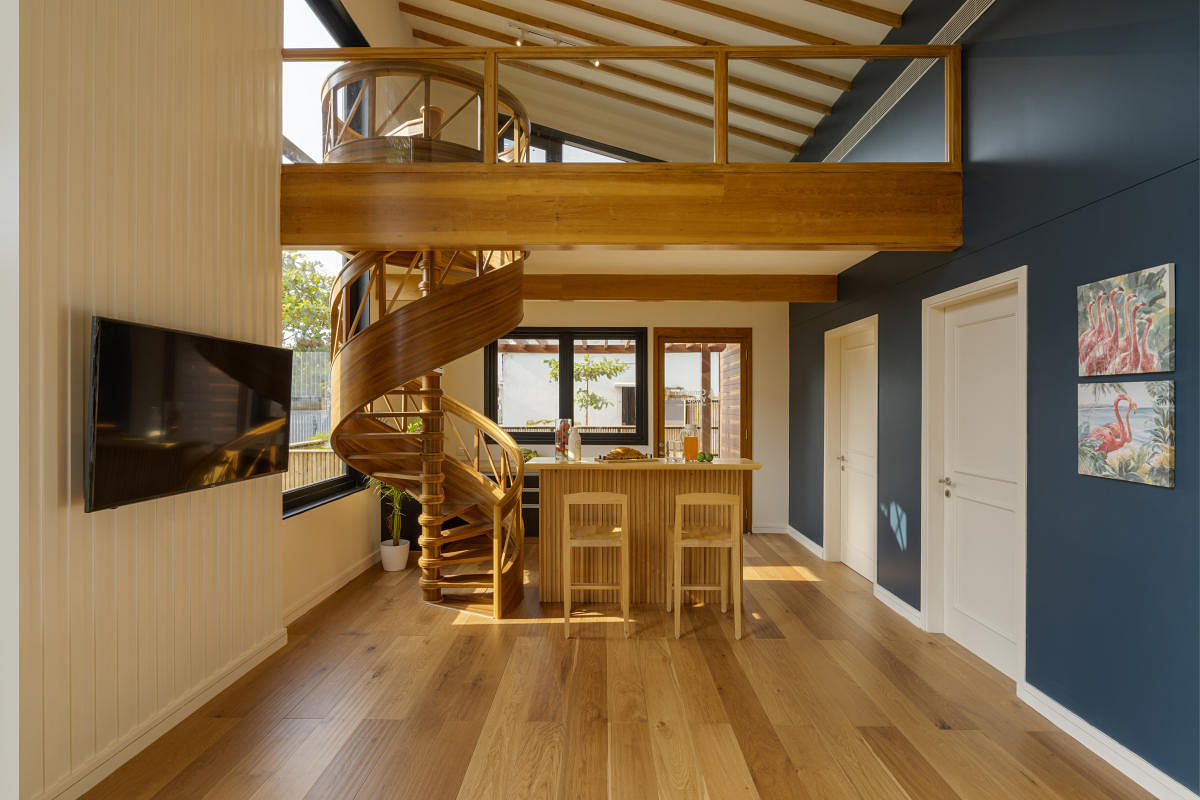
<point x="615" y="94"/>
<point x="807" y="73"/>
<point x="712" y="9"/>
<point x="863" y="11"/>
<point x="620" y="72"/>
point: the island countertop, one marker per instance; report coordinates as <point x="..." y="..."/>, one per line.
<point x="543" y="463"/>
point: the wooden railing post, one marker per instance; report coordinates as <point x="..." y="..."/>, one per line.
<point x="721" y="108"/>
<point x="490" y="145"/>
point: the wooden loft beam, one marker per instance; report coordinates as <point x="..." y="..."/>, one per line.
<point x="725" y="288"/>
<point x="799" y="34"/>
<point x="807" y="73"/>
<point x="747" y="19"/>
<point x="806" y="206"/>
<point x="616" y="94"/>
<point x="863" y="11"/>
<point x="760" y="89"/>
<point x="608" y="67"/>
<point x="620" y="52"/>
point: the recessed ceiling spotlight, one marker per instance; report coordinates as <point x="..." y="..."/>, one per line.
<point x="595" y="62"/>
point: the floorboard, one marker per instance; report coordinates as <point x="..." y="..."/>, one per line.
<point x="829" y="695"/>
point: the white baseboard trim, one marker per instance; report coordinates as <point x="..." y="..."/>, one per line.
<point x="899" y="606"/>
<point x="310" y="601"/>
<point x="770" y="527"/>
<point x="100" y="766"/>
<point x="1129" y="763"/>
<point x="817" y="549"/>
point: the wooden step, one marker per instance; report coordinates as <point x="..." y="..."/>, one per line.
<point x="461" y="555"/>
<point x="382" y="454"/>
<point x="456" y="511"/>
<point x="467" y="580"/>
<point x="463" y="532"/>
<point x="372" y="435"/>
<point x="397" y="476"/>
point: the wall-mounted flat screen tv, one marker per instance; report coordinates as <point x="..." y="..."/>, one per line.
<point x="171" y="411"/>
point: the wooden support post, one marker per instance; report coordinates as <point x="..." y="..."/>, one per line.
<point x="432" y="456"/>
<point x="490" y="67"/>
<point x="721" y="108"/>
<point x="953" y="83"/>
<point x="431" y="498"/>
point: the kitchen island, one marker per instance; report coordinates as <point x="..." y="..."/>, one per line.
<point x="651" y="487"/>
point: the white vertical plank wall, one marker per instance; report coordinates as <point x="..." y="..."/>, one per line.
<point x="149" y="136"/>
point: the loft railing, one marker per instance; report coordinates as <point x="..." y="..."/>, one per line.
<point x="492" y="99"/>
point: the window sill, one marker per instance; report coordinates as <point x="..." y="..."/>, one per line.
<point x="307" y="498"/>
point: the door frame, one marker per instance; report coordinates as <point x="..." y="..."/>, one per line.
<point x="832" y="498"/>
<point x="745" y="338"/>
<point x="933" y="384"/>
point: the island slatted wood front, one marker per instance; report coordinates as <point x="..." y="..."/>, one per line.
<point x="651" y="487"/>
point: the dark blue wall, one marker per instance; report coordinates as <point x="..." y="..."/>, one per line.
<point x="1080" y="139"/>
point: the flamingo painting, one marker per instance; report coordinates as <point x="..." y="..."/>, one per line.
<point x="1114" y="435"/>
<point x="1126" y="324"/>
<point x="1127" y="430"/>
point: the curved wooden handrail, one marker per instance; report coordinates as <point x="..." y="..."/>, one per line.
<point x="512" y="494"/>
<point x="424" y="335"/>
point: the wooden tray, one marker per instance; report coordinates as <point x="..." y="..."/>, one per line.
<point x="604" y="460"/>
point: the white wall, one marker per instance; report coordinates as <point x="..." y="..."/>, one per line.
<point x="150" y="144"/>
<point x="464" y="378"/>
<point x="325" y="547"/>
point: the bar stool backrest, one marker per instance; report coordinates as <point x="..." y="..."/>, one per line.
<point x="596" y="500"/>
<point x="710" y="500"/>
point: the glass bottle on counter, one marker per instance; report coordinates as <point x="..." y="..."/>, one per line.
<point x="691" y="442"/>
<point x="574" y="445"/>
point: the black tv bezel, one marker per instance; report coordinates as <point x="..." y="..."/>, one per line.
<point x="89" y="434"/>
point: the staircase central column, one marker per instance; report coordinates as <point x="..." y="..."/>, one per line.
<point x="432" y="455"/>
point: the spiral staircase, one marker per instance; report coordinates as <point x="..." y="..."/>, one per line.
<point x="398" y="315"/>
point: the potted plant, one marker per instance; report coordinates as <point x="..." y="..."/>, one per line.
<point x="392" y="552"/>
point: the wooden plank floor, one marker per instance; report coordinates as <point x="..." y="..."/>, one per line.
<point x="829" y="695"/>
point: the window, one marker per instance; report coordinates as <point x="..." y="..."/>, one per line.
<point x="555" y="147"/>
<point x="315" y="474"/>
<point x="594" y="376"/>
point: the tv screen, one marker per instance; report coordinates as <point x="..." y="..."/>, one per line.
<point x="171" y="411"/>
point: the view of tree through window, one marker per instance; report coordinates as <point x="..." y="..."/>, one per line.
<point x="603" y="391"/>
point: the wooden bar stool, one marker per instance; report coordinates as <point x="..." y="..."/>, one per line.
<point x="596" y="534"/>
<point x="726" y="537"/>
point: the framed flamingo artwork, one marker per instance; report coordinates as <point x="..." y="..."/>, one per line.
<point x="1127" y="431"/>
<point x="1126" y="324"/>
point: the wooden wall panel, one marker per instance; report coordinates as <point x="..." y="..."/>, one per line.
<point x="149" y="191"/>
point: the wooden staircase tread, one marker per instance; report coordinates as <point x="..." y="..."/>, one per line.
<point x="397" y="476"/>
<point x="480" y="580"/>
<point x="356" y="436"/>
<point x="463" y="532"/>
<point x="458" y="511"/>
<point x="382" y="454"/>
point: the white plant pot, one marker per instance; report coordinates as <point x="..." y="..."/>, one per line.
<point x="394" y="557"/>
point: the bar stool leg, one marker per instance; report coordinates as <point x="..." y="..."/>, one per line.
<point x="678" y="570"/>
<point x="566" y="586"/>
<point x="735" y="553"/>
<point x="670" y="584"/>
<point x="725" y="556"/>
<point x="625" y="587"/>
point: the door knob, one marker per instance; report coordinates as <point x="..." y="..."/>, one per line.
<point x="946" y="482"/>
<point x="842" y="458"/>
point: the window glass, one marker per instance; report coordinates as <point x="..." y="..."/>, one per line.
<point x="307" y="279"/>
<point x="302" y="82"/>
<point x="577" y="155"/>
<point x="527" y="383"/>
<point x="605" y="384"/>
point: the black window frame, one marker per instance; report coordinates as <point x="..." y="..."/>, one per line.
<point x="336" y="19"/>
<point x="566" y="335"/>
<point x="552" y="140"/>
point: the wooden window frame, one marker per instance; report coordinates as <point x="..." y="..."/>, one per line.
<point x="743" y="337"/>
<point x="566" y="388"/>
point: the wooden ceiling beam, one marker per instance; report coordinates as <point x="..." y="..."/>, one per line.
<point x="807" y="73"/>
<point x="655" y="288"/>
<point x="863" y="11"/>
<point x="747" y="19"/>
<point x="712" y="9"/>
<point x="616" y="94"/>
<point x="620" y="72"/>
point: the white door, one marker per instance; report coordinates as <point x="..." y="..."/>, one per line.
<point x="982" y="449"/>
<point x="857" y="457"/>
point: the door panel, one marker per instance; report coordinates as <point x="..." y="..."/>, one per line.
<point x="859" y="430"/>
<point x="982" y="439"/>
